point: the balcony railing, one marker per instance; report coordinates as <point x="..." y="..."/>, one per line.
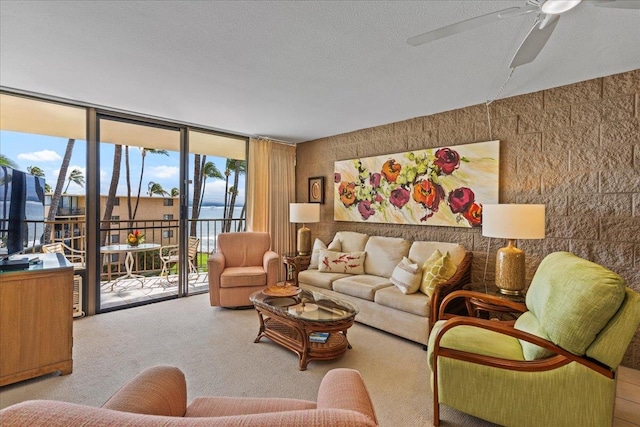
<point x="162" y="232"/>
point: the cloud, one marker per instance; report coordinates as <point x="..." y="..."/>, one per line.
<point x="164" y="172"/>
<point x="41" y="156"/>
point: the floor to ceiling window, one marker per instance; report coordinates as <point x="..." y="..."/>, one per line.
<point x="164" y="190"/>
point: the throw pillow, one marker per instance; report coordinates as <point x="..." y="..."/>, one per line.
<point x="407" y="276"/>
<point x="318" y="245"/>
<point x="341" y="262"/>
<point x="437" y="269"/>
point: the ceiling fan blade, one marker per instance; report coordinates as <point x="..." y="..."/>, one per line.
<point x="534" y="42"/>
<point x="460" y="27"/>
<point x="618" y="4"/>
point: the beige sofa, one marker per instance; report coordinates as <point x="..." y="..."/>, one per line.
<point x="381" y="304"/>
<point x="158" y="397"/>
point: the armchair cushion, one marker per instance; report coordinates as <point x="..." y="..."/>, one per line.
<point x="567" y="291"/>
<point x="233" y="277"/>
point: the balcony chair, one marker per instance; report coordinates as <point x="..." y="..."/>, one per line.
<point x="158" y="397"/>
<point x="75" y="256"/>
<point x="242" y="265"/>
<point x="169" y="255"/>
<point x="555" y="365"/>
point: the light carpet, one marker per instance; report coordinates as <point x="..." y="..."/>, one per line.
<point x="215" y="348"/>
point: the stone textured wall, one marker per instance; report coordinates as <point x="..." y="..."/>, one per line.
<point x="574" y="148"/>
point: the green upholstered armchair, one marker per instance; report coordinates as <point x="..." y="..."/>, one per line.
<point x="555" y="366"/>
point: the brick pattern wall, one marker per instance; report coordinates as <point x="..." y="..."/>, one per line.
<point x="574" y="148"/>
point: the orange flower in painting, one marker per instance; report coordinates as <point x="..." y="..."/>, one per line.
<point x="391" y="170"/>
<point x="428" y="194"/>
<point x="347" y="193"/>
<point x="474" y="214"/>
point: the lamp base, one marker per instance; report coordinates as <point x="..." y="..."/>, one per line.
<point x="304" y="240"/>
<point x="510" y="270"/>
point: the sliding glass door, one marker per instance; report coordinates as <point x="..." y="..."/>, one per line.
<point x="139" y="212"/>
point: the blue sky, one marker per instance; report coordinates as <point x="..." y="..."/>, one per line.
<point x="47" y="153"/>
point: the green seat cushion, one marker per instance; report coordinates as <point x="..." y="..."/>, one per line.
<point x="573" y="299"/>
<point x="476" y="340"/>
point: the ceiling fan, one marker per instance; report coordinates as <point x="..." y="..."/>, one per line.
<point x="548" y="14"/>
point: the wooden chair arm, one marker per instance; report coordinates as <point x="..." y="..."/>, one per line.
<point x="472" y="296"/>
<point x="561" y="358"/>
<point x="461" y="277"/>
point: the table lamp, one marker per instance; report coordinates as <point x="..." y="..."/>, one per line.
<point x="304" y="213"/>
<point x="512" y="222"/>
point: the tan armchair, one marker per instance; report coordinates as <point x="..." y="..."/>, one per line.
<point x="158" y="397"/>
<point x="242" y="265"/>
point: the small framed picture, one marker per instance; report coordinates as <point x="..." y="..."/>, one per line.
<point x="316" y="189"/>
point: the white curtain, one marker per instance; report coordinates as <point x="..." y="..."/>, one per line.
<point x="271" y="187"/>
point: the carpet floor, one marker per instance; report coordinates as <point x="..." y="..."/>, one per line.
<point x="214" y="348"/>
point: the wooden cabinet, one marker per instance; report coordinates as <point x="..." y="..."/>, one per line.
<point x="36" y="322"/>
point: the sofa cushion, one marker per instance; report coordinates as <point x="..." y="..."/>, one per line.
<point x="361" y="286"/>
<point x="407" y="276"/>
<point x="437" y="269"/>
<point x="421" y="251"/>
<point x="391" y="296"/>
<point x="320" y="279"/>
<point x="318" y="245"/>
<point x="234" y="277"/>
<point x="527" y="322"/>
<point x="341" y="262"/>
<point x="348" y="241"/>
<point x="574" y="299"/>
<point x="383" y="254"/>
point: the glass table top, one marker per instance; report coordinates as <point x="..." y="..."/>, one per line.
<point x="307" y="305"/>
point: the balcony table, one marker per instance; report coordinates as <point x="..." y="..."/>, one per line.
<point x="128" y="260"/>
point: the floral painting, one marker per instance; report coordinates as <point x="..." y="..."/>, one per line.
<point x="444" y="186"/>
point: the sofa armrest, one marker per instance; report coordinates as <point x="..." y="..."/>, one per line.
<point x="461" y="277"/>
<point x="344" y="388"/>
<point x="271" y="264"/>
<point x="160" y="390"/>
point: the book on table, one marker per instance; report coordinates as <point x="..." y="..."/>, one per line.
<point x="319" y="337"/>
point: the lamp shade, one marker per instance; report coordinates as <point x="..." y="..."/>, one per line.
<point x="304" y="212"/>
<point x="513" y="221"/>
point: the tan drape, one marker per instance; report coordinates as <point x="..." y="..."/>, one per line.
<point x="271" y="187"/>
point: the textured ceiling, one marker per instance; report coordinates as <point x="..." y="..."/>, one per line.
<point x="295" y="71"/>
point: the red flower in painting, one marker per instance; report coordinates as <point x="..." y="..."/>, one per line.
<point x="347" y="193"/>
<point x="391" y="170"/>
<point x="364" y="207"/>
<point x="399" y="197"/>
<point x="429" y="194"/>
<point x="474" y="215"/>
<point x="447" y="160"/>
<point x="460" y="199"/>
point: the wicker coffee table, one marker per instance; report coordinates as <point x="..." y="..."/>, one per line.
<point x="289" y="321"/>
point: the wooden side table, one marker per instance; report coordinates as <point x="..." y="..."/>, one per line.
<point x="477" y="307"/>
<point x="294" y="264"/>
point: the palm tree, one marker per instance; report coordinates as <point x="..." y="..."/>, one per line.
<point x="36" y="171"/>
<point x="143" y="153"/>
<point x="155" y="188"/>
<point x="76" y="177"/>
<point x="198" y="165"/>
<point x="238" y="167"/>
<point x="57" y="193"/>
<point x="175" y="192"/>
<point x="5" y="161"/>
<point x="111" y="198"/>
<point x="207" y="170"/>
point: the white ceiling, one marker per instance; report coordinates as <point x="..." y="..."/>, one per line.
<point x="295" y="71"/>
